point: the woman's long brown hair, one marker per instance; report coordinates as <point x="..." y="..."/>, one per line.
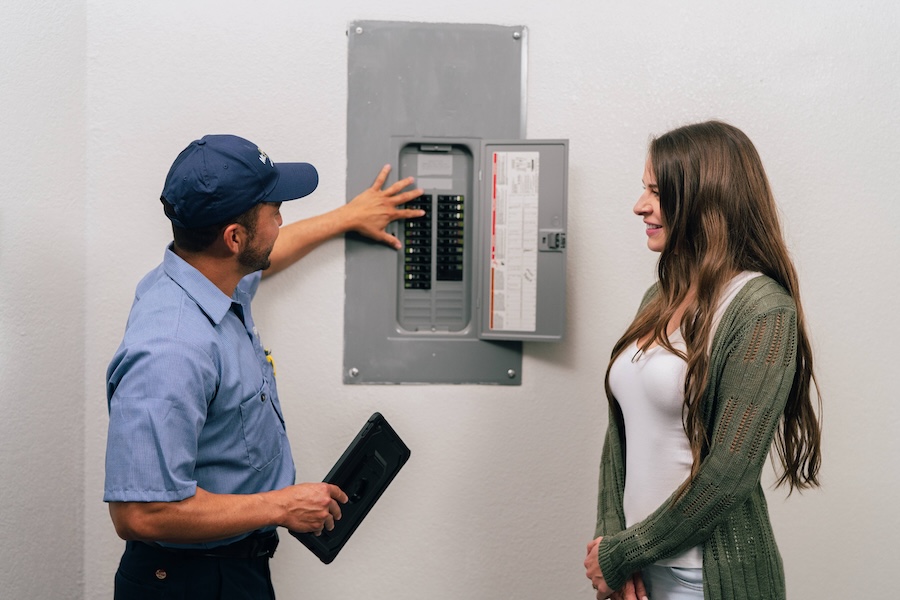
<point x="720" y="219"/>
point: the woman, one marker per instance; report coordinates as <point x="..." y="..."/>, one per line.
<point x="714" y="369"/>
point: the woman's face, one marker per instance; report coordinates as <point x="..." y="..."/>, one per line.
<point x="647" y="207"/>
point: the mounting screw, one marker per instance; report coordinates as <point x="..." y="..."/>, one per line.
<point x="511" y="373"/>
<point x="359" y="30"/>
<point x="517" y="35"/>
<point x="354" y="372"/>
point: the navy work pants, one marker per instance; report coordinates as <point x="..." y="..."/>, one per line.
<point x="148" y="572"/>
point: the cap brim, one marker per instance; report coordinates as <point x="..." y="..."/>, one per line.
<point x="295" y="180"/>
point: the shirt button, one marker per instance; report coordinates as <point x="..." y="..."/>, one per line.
<point x="262" y="398"/>
<point x="160" y="574"/>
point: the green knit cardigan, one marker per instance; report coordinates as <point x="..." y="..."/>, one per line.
<point x="752" y="365"/>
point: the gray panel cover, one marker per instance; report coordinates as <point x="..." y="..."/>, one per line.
<point x="424" y="80"/>
<point x="546" y="272"/>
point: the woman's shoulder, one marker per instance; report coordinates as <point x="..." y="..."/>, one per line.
<point x="652" y="291"/>
<point x="762" y="294"/>
<point x="760" y="297"/>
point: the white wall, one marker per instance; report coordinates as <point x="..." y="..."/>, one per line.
<point x="498" y="499"/>
<point x="42" y="299"/>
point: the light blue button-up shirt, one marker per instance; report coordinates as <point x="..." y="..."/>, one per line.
<point x="192" y="397"/>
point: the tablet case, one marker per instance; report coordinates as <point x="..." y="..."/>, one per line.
<point x="368" y="465"/>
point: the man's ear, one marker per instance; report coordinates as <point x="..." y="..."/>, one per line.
<point x="235" y="237"/>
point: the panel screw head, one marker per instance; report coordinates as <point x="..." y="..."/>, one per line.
<point x="354" y="372"/>
<point x="359" y="30"/>
<point x="517" y="35"/>
<point x="511" y="373"/>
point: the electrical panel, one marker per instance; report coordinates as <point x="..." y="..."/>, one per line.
<point x="484" y="270"/>
<point x="490" y="251"/>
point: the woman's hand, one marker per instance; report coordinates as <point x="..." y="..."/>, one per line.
<point x="634" y="589"/>
<point x="593" y="571"/>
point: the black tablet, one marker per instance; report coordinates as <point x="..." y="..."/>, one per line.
<point x="364" y="471"/>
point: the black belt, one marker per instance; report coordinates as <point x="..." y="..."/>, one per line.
<point x="252" y="546"/>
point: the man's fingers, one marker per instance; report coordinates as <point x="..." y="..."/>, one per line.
<point x="407" y="196"/>
<point x="381" y="177"/>
<point x="410" y="213"/>
<point x="337" y="493"/>
<point x="394" y="191"/>
<point x="390" y="240"/>
<point x="334" y="509"/>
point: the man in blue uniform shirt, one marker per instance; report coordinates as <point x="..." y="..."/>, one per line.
<point x="199" y="472"/>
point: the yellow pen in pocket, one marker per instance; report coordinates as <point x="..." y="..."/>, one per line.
<point x="271" y="360"/>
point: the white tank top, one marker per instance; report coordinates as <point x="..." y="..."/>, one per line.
<point x="649" y="387"/>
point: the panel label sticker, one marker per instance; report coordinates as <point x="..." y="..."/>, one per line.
<point x="514" y="235"/>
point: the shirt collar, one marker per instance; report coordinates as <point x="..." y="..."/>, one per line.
<point x="204" y="292"/>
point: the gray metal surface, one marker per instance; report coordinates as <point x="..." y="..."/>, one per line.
<point x="423" y="80"/>
<point x="548" y="247"/>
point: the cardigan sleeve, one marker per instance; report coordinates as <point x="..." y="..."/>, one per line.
<point x="745" y="400"/>
<point x="610" y="513"/>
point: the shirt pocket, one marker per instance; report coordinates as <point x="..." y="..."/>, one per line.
<point x="262" y="429"/>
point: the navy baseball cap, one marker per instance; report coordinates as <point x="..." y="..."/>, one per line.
<point x="219" y="177"/>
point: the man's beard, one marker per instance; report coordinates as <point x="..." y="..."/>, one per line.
<point x="255" y="259"/>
